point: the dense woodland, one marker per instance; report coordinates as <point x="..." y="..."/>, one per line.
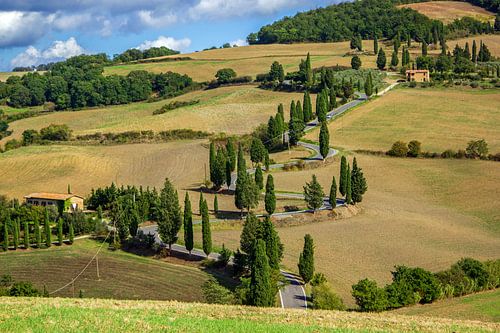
<point x="79" y="82"/>
<point x="366" y="18"/>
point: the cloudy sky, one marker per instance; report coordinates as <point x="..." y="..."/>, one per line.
<point x="34" y="31"/>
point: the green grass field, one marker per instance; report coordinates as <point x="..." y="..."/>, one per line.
<point x="122" y="275"/>
<point x="483" y="306"/>
<point x="88" y="315"/>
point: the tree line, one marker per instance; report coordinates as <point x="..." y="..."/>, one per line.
<point x="366" y="19"/>
<point x="79" y="82"/>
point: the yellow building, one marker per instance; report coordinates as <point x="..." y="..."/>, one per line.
<point x="63" y="202"/>
<point x="418" y="75"/>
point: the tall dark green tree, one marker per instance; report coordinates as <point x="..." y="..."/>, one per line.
<point x="188" y="225"/>
<point x="306" y="259"/>
<point x="299" y="113"/>
<point x="394" y="59"/>
<point x="273" y="243"/>
<point x="205" y="230"/>
<point x="348" y="187"/>
<point x="381" y="59"/>
<point x="200" y="203"/>
<point x="293" y="112"/>
<point x="313" y="194"/>
<point x="309" y="73"/>
<point x="270" y="197"/>
<point x="38" y="234"/>
<point x="241" y="160"/>
<point x="343" y="175"/>
<point x="169" y="214"/>
<point x="332" y="198"/>
<point x="369" y="85"/>
<point x="219" y="166"/>
<point x="358" y="183"/>
<point x="257" y="151"/>
<point x="6" y="233"/>
<point x="261" y="290"/>
<point x="424" y="48"/>
<point x="333" y="98"/>
<point x="231" y="153"/>
<point x="295" y="130"/>
<point x="375" y="44"/>
<point x="324" y="140"/>
<point x="355" y="62"/>
<point x="229" y="173"/>
<point x="211" y="160"/>
<point x="249" y="234"/>
<point x="48" y="232"/>
<point x="60" y="236"/>
<point x="474" y="51"/>
<point x="15" y="234"/>
<point x="259" y="177"/>
<point x="307" y="107"/>
<point x="216" y="204"/>
<point x="26" y="235"/>
<point x="71" y="233"/>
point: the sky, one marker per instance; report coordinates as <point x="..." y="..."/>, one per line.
<point x="33" y="32"/>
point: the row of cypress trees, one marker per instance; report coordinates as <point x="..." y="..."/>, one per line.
<point x="14" y="228"/>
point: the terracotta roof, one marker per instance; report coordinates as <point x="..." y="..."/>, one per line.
<point x="417" y="70"/>
<point x="51" y="196"/>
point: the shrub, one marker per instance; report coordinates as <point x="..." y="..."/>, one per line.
<point x="475" y="270"/>
<point x="175" y="105"/>
<point x="216" y="294"/>
<point x="23" y="289"/>
<point x="225" y="256"/>
<point x="399" y="149"/>
<point x="413" y="84"/>
<point x="414" y="148"/>
<point x="493" y="269"/>
<point x="324" y="298"/>
<point x="225" y="75"/>
<point x="318" y="278"/>
<point x="474" y="84"/>
<point x="12" y="144"/>
<point x="460" y="153"/>
<point x="449" y="153"/>
<point x="477" y="149"/>
<point x="368" y="296"/>
<point x="55" y="133"/>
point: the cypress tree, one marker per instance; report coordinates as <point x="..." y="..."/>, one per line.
<point x="6" y="233"/>
<point x="332" y="198"/>
<point x="272" y="241"/>
<point x="188" y="225"/>
<point x="48" y="234"/>
<point x="408" y="40"/>
<point x="240" y="190"/>
<point x="394" y="59"/>
<point x="260" y="293"/>
<point x="293" y="113"/>
<point x="474" y="51"/>
<point x="424" y="48"/>
<point x="309" y="73"/>
<point x="408" y="59"/>
<point x="216" y="204"/>
<point x="313" y="194"/>
<point x="467" y="51"/>
<point x="241" y="160"/>
<point x="375" y="44"/>
<point x="60" y="236"/>
<point x="69" y="189"/>
<point x="200" y="203"/>
<point x="170" y="217"/>
<point x="219" y="169"/>
<point x="381" y="59"/>
<point x="299" y="114"/>
<point x="211" y="161"/>
<point x="266" y="161"/>
<point x="15" y="225"/>
<point x="38" y="234"/>
<point x="348" y="190"/>
<point x="26" y="235"/>
<point x="343" y="175"/>
<point x="231" y="154"/>
<point x="333" y="98"/>
<point x="259" y="178"/>
<point x="228" y="173"/>
<point x="358" y="183"/>
<point x="205" y="229"/>
<point x="307" y="107"/>
<point x="249" y="234"/>
<point x="324" y="140"/>
<point x="306" y="259"/>
<point x="369" y="85"/>
<point x="270" y="196"/>
<point x="71" y="233"/>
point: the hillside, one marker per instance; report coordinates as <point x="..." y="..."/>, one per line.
<point x="25" y="314"/>
<point x="448" y="11"/>
<point x="122" y="275"/>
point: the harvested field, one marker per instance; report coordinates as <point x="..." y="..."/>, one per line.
<point x="448" y="11"/>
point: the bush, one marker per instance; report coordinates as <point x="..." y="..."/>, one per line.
<point x="449" y="153"/>
<point x="12" y="144"/>
<point x="225" y="75"/>
<point x="414" y="148"/>
<point x="55" y="133"/>
<point x="368" y="296"/>
<point x="412" y="84"/>
<point x="477" y="149"/>
<point x="23" y="289"/>
<point x="214" y="293"/>
<point x="318" y="278"/>
<point x="175" y="105"/>
<point x="324" y="298"/>
<point x="467" y="276"/>
<point x="399" y="149"/>
<point x="225" y="256"/>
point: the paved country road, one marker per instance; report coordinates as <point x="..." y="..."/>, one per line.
<point x="292" y="295"/>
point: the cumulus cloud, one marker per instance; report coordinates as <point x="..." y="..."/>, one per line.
<point x="239" y="42"/>
<point x="226" y="8"/>
<point x="59" y="50"/>
<point x="149" y="18"/>
<point x="20" y="29"/>
<point x="171" y="43"/>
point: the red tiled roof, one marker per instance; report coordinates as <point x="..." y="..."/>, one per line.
<point x="51" y="196"/>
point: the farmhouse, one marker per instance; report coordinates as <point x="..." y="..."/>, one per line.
<point x="63" y="202"/>
<point x="417" y="75"/>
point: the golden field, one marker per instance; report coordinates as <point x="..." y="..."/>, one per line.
<point x="448" y="11"/>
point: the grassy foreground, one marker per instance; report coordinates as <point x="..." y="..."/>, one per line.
<point x="88" y="315"/>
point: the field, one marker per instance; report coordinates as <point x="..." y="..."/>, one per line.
<point x="25" y="314"/>
<point x="252" y="60"/>
<point x="416" y="212"/>
<point x="122" y="275"/>
<point x="233" y="110"/>
<point x="492" y="41"/>
<point x="483" y="306"/>
<point x="448" y="11"/>
<point x="438" y="118"/>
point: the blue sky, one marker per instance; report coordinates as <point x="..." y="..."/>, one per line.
<point x="34" y="32"/>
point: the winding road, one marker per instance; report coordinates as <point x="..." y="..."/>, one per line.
<point x="292" y="295"/>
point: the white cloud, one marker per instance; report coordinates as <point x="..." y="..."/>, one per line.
<point x="72" y="21"/>
<point x="226" y="8"/>
<point x="148" y="18"/>
<point x="20" y="28"/>
<point x="239" y="42"/>
<point x="171" y="43"/>
<point x="59" y="50"/>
